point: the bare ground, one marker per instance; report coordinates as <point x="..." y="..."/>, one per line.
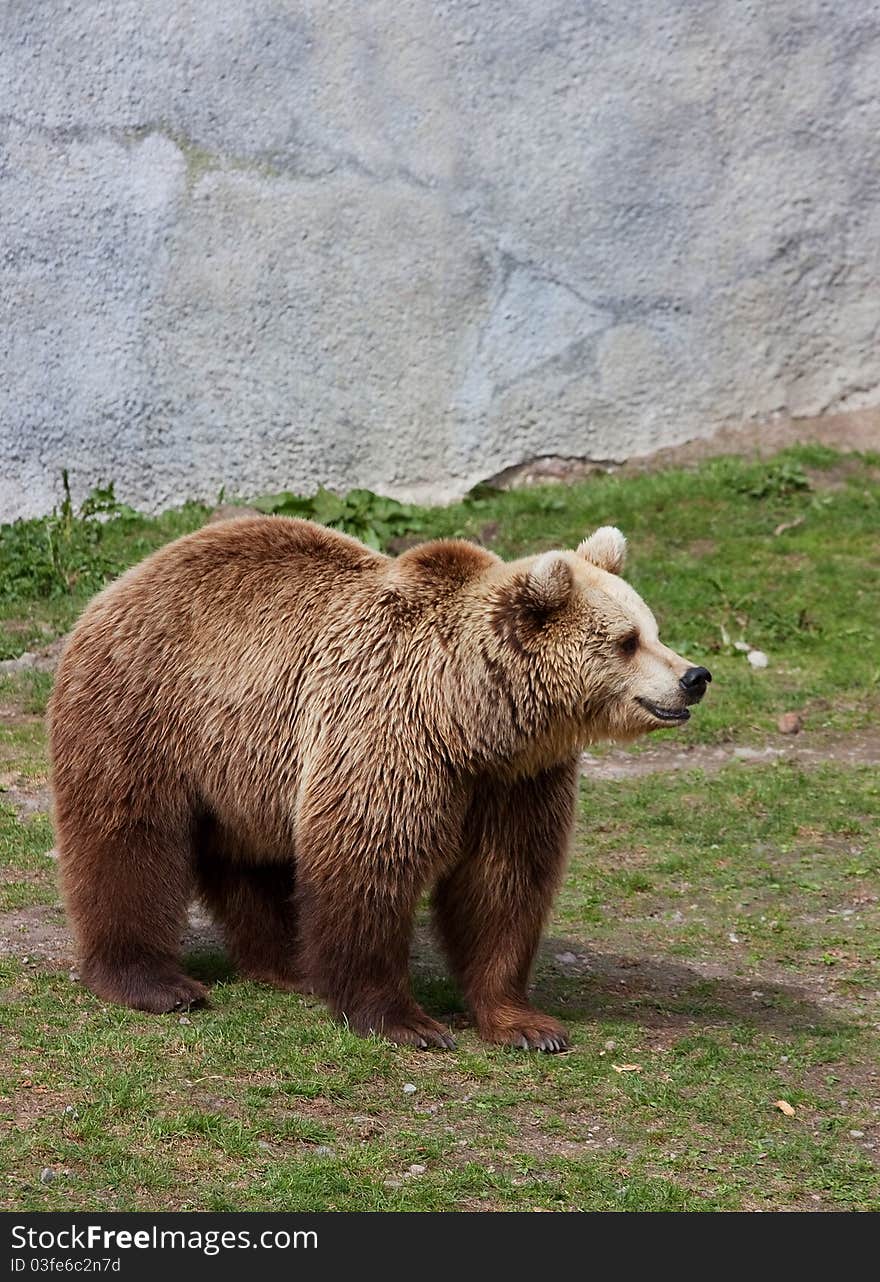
<point x="855" y="748"/>
<point x="857" y="430"/>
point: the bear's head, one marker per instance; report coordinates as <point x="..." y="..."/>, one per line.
<point x="580" y="648"/>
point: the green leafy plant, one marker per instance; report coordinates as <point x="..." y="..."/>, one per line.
<point x="776" y="480"/>
<point x="101" y="501"/>
<point x="370" y="517"/>
<point x="50" y="555"/>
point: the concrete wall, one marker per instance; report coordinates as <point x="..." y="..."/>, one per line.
<point x="406" y="245"/>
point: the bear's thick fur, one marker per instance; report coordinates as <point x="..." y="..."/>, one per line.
<point x="307" y="734"/>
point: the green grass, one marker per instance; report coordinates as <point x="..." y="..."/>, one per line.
<point x="720" y="931"/>
<point x="262" y="1102"/>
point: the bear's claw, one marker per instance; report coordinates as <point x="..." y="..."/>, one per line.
<point x="532" y="1031"/>
<point x="448" y="1042"/>
<point x="419" y="1030"/>
<point x="553" y="1045"/>
<point x="550" y="1045"/>
<point x="422" y="1038"/>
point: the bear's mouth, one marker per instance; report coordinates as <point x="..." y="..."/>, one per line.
<point x="665" y="714"/>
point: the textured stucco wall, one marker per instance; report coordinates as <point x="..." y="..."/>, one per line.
<point x="406" y="245"/>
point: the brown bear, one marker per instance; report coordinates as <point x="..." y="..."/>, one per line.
<point x="307" y="734"/>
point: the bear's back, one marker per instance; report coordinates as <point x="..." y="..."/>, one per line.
<point x="204" y="645"/>
<point x="226" y="578"/>
<point x="210" y="608"/>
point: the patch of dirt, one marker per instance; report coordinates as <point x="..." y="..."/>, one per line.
<point x="702" y="547"/>
<point x="11" y="715"/>
<point x="857" y="430"/>
<point x="667" y="998"/>
<point x="586" y="1134"/>
<point x="856" y="748"/>
<point x="26" y="796"/>
<point x="39" y="933"/>
<point x="31" y="1103"/>
<point x="20" y="877"/>
<point x="550" y="469"/>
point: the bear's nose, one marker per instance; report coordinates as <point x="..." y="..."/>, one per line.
<point x="694" y="682"/>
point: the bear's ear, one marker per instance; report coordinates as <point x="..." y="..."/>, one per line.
<point x="606" y="548"/>
<point x="549" y="582"/>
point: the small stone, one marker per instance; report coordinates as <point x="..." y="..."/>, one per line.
<point x="567" y="959"/>
<point x="757" y="658"/>
<point x="47" y="1175"/>
<point x="611" y="1044"/>
<point x="391" y="1184"/>
<point x="417" y="1169"/>
<point x="324" y="1150"/>
<point x="183" y="1020"/>
<point x="408" y="1088"/>
<point x="734" y="939"/>
<point x="790" y="723"/>
<point x="857" y="1135"/>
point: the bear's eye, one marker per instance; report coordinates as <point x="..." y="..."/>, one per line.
<point x="628" y="645"/>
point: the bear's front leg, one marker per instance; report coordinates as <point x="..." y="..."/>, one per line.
<point x="358" y="884"/>
<point x="492" y="907"/>
<point x="355" y="941"/>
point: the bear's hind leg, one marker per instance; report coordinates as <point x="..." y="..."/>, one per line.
<point x="254" y="906"/>
<point x="491" y="909"/>
<point x="126" y="895"/>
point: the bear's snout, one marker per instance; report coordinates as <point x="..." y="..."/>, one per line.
<point x="694" y="683"/>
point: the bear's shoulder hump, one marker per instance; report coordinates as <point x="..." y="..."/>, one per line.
<point x="450" y="561"/>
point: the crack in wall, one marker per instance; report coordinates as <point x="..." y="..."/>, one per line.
<point x="201" y="159"/>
